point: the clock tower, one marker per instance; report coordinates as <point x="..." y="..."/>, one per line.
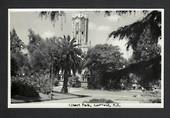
<point x="80" y="31"/>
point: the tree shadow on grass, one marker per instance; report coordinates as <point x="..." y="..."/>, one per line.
<point x="45" y="97"/>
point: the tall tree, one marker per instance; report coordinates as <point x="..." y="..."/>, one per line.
<point x="70" y="59"/>
<point x="134" y="32"/>
<point x="143" y="37"/>
<point x="16" y="44"/>
<point x="38" y="52"/>
<point x="18" y="59"/>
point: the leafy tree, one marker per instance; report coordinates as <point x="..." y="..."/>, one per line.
<point x="145" y="48"/>
<point x="38" y="52"/>
<point x="18" y="59"/>
<point x="39" y="60"/>
<point x="149" y="70"/>
<point x="19" y="64"/>
<point x="143" y="37"/>
<point x="54" y="52"/>
<point x="105" y="58"/>
<point x="19" y="68"/>
<point x="101" y="59"/>
<point x="135" y="31"/>
<point x="62" y="53"/>
<point x="16" y="44"/>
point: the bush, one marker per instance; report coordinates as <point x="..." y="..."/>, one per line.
<point x="56" y="83"/>
<point x="155" y="101"/>
<point x="94" y="81"/>
<point x="41" y="81"/>
<point x="21" y="88"/>
<point x="74" y="81"/>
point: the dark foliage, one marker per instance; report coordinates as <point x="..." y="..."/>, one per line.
<point x="74" y="81"/>
<point x="18" y="59"/>
<point x="16" y="43"/>
<point x="100" y="59"/>
<point x="143" y="37"/>
<point x="14" y="67"/>
<point x="149" y="71"/>
<point x="155" y="101"/>
<point x="23" y="89"/>
<point x="133" y="32"/>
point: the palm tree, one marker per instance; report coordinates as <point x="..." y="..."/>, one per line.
<point x="70" y="59"/>
<point x="65" y="57"/>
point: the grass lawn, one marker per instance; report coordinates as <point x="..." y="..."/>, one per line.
<point x="79" y="95"/>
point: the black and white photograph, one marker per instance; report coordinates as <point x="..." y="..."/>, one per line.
<point x="85" y="58"/>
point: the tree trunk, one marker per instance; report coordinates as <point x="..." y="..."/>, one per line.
<point x="64" y="88"/>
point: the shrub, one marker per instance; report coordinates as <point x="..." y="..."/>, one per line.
<point x="74" y="81"/>
<point x="21" y="88"/>
<point x="155" y="100"/>
<point x="94" y="81"/>
<point x="41" y="81"/>
<point x="56" y="83"/>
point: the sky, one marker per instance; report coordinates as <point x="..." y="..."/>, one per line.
<point x="99" y="26"/>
